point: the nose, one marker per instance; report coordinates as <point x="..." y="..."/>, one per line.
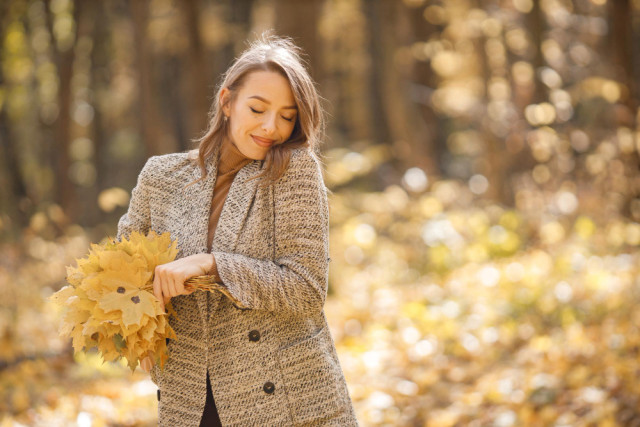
<point x="269" y="124"/>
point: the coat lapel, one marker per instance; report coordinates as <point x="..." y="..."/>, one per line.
<point x="234" y="212"/>
<point x="198" y="200"/>
<point x="235" y="208"/>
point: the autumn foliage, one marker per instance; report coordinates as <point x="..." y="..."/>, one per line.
<point x="109" y="303"/>
<point x="485" y="209"/>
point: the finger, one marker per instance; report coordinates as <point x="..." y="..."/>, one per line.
<point x="157" y="288"/>
<point x="179" y="284"/>
<point x="172" y="287"/>
<point x="188" y="288"/>
<point x="144" y="364"/>
<point x="162" y="280"/>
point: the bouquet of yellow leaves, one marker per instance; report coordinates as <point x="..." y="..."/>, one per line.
<point x="109" y="302"/>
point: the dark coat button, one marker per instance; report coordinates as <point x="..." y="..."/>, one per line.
<point x="158" y="395"/>
<point x="269" y="387"/>
<point x="254" y="335"/>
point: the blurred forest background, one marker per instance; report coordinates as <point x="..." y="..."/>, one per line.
<point x="485" y="217"/>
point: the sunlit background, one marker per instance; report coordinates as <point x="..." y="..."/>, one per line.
<point x="485" y="217"/>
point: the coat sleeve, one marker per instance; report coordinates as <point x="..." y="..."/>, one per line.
<point x="138" y="216"/>
<point x="297" y="280"/>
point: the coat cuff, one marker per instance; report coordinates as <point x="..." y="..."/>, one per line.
<point x="214" y="271"/>
<point x="222" y="288"/>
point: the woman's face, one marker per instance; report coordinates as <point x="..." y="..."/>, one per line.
<point x="262" y="115"/>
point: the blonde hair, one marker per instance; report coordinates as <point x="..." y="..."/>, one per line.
<point x="268" y="53"/>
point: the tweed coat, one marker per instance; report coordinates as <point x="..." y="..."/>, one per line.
<point x="267" y="346"/>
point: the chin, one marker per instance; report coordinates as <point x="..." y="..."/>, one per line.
<point x="257" y="156"/>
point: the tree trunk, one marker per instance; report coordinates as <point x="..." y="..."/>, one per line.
<point x="14" y="192"/>
<point x="239" y="21"/>
<point x="148" y="110"/>
<point x="536" y="23"/>
<point x="622" y="55"/>
<point x="496" y="158"/>
<point x="430" y="143"/>
<point x="379" y="49"/>
<point x="197" y="90"/>
<point x="396" y="120"/>
<point x="12" y="200"/>
<point x="66" y="194"/>
<point x="304" y="31"/>
<point x="100" y="81"/>
<point x="621" y="34"/>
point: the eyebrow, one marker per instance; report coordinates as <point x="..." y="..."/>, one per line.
<point x="290" y="107"/>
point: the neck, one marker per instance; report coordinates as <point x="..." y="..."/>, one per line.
<point x="231" y="159"/>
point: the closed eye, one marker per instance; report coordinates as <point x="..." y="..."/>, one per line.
<point x="289" y="119"/>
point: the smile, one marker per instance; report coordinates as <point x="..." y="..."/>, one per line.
<point x="262" y="141"/>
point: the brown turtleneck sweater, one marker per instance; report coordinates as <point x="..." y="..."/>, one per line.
<point x="230" y="162"/>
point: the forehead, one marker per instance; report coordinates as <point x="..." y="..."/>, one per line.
<point x="269" y="85"/>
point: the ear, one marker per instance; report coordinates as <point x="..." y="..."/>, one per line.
<point x="225" y="97"/>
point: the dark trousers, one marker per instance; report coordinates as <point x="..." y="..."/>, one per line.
<point x="210" y="416"/>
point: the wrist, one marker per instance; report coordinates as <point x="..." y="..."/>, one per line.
<point x="212" y="264"/>
<point x="204" y="261"/>
<point x="213" y="271"/>
<point x="209" y="263"/>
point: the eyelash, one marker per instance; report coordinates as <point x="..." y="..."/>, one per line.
<point x="260" y="112"/>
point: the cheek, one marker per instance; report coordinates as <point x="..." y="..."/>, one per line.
<point x="243" y="123"/>
<point x="288" y="131"/>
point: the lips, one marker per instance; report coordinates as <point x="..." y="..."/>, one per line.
<point x="263" y="142"/>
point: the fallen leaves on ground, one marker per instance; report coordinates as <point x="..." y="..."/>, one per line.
<point x="445" y="312"/>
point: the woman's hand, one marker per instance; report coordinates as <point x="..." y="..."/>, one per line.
<point x="147" y="363"/>
<point x="169" y="278"/>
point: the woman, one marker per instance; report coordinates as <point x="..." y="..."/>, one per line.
<point x="260" y="351"/>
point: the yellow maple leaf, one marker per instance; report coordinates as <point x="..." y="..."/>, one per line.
<point x="146" y="332"/>
<point x="74" y="275"/>
<point x="133" y="304"/>
<point x="78" y="338"/>
<point x="127" y="277"/>
<point x="156" y="249"/>
<point x="62" y="295"/>
<point x="116" y="260"/>
<point x="89" y="265"/>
